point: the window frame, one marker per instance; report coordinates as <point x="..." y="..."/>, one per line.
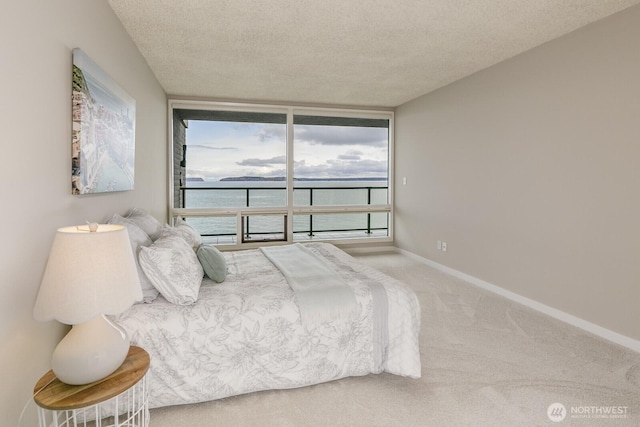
<point x="289" y="210"/>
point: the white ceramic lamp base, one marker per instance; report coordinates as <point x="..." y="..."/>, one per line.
<point x="90" y="351"/>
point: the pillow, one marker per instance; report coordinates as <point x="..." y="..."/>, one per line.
<point x="213" y="262"/>
<point x="146" y="221"/>
<point x="188" y="233"/>
<point x="173" y="268"/>
<point x="138" y="238"/>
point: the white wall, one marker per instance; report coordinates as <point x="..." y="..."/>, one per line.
<point x="36" y="39"/>
<point x="530" y="171"/>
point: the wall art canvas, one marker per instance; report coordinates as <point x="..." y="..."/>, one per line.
<point x="103" y="132"/>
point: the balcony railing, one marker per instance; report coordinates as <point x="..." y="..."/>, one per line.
<point x="244" y="200"/>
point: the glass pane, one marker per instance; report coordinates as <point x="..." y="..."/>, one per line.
<point x="234" y="161"/>
<point x="264" y="228"/>
<point x="337" y="160"/>
<point x="341" y="225"/>
<point x="213" y="226"/>
<point x="321" y="193"/>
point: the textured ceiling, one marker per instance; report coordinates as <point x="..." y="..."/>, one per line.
<point x="346" y="52"/>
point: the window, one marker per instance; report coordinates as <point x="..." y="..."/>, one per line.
<point x="340" y="161"/>
<point x="248" y="173"/>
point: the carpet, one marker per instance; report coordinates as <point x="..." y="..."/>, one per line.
<point x="486" y="361"/>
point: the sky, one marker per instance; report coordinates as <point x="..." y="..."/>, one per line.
<point x="218" y="150"/>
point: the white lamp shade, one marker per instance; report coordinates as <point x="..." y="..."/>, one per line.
<point x="87" y="274"/>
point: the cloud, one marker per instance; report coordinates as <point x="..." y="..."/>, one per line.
<point x="342" y="169"/>
<point x="270" y="133"/>
<point x="221" y="150"/>
<point x="341" y="135"/>
<point x="279" y="160"/>
<point x="208" y="147"/>
<point x="358" y="169"/>
<point x="351" y="155"/>
<point x="327" y="135"/>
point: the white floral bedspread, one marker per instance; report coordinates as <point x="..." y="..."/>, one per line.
<point x="245" y="334"/>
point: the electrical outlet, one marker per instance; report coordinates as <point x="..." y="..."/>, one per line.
<point x="444" y="246"/>
<point x="439" y="245"/>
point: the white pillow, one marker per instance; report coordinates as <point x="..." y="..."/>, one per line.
<point x="173" y="268"/>
<point x="146" y="221"/>
<point x="138" y="238"/>
<point x="188" y="233"/>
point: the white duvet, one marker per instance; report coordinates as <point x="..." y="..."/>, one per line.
<point x="245" y="334"/>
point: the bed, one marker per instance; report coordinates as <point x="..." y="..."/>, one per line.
<point x="246" y="334"/>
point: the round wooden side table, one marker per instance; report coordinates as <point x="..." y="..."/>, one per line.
<point x="119" y="400"/>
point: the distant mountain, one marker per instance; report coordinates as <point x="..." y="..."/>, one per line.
<point x="254" y="178"/>
<point x="282" y="178"/>
<point x="341" y="179"/>
<point x="195" y="179"/>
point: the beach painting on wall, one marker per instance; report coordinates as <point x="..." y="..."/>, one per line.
<point x="103" y="131"/>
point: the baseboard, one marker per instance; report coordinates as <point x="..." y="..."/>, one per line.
<point x="364" y="250"/>
<point x="607" y="334"/>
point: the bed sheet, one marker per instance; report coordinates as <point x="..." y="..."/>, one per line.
<point x="245" y="334"/>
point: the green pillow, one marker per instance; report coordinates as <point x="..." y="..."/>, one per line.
<point x="213" y="262"/>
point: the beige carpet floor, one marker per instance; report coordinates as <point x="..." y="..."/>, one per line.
<point x="486" y="361"/>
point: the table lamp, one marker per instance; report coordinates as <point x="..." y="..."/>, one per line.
<point x="90" y="273"/>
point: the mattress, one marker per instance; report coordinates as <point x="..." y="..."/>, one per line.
<point x="246" y="335"/>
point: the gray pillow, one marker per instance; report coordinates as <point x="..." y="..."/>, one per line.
<point x="213" y="262"/>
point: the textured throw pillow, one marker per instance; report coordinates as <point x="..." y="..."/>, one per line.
<point x="173" y="268"/>
<point x="147" y="222"/>
<point x="213" y="262"/>
<point x="138" y="238"/>
<point x="188" y="233"/>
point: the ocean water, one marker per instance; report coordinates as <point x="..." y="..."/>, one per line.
<point x="273" y="194"/>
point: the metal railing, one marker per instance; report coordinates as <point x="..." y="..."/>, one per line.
<point x="310" y="230"/>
